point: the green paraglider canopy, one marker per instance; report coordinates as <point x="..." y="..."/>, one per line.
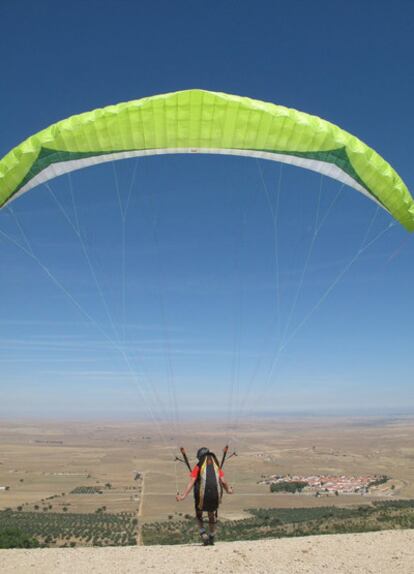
<point x="199" y="121"/>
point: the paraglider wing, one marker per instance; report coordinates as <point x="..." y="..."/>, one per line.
<point x="198" y="121"/>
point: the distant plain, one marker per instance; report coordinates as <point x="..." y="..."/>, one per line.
<point x="43" y="462"/>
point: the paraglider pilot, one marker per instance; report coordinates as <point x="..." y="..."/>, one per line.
<point x="207" y="481"/>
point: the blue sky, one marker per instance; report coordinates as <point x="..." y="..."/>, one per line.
<point x="197" y="308"/>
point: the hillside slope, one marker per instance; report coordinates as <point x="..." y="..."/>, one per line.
<point x="386" y="552"/>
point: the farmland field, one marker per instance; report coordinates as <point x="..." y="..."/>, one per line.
<point x="124" y="473"/>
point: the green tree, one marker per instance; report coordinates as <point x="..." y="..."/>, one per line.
<point x="288" y="486"/>
<point x="15" y="538"/>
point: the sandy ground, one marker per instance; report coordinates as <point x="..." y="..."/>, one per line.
<point x="387" y="552"/>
